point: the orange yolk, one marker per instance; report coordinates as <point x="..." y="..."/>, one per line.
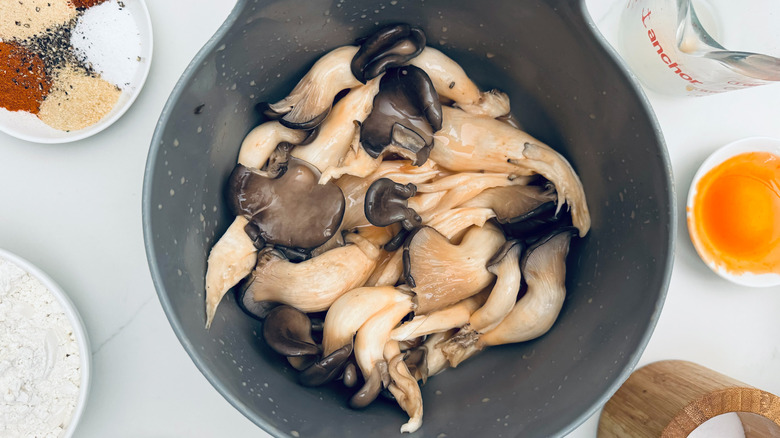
<point x="736" y="211"/>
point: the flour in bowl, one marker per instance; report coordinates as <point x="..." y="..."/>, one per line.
<point x="40" y="368"/>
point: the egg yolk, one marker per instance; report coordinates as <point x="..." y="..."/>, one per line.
<point x="736" y="211"/>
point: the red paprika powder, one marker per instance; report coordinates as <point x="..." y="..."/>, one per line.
<point x="23" y="80"/>
<point x="84" y="4"/>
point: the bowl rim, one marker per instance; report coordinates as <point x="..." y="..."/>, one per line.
<point x="101" y="125"/>
<point x="635" y="356"/>
<point x="579" y="8"/>
<point x="79" y="330"/>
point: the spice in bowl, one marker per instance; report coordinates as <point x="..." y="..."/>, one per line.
<point x="42" y="371"/>
<point x="66" y="62"/>
<point x="734" y="210"/>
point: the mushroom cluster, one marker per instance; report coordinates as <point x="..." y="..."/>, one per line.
<point x="391" y="221"/>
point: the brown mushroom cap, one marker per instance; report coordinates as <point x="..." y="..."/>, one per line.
<point x="327" y="368"/>
<point x="406" y="113"/>
<point x="390" y="46"/>
<point x="292" y="210"/>
<point x="350" y="376"/>
<point x="386" y="204"/>
<point x="287" y="331"/>
<point x="379" y="379"/>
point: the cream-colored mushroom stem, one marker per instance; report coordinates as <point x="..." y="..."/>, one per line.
<point x="512" y="201"/>
<point x="389" y="271"/>
<point x="461" y="346"/>
<point x="356" y="162"/>
<point x="491" y="104"/>
<point x="534" y="314"/>
<point x="262" y="141"/>
<point x="444" y="273"/>
<point x="454" y="316"/>
<point x="338" y="130"/>
<point x="350" y="311"/>
<point x="316" y="91"/>
<point x="503" y="295"/>
<point x="372" y="336"/>
<point x="471" y="144"/>
<point x="451" y="82"/>
<point x="468" y="185"/>
<point x="451" y="223"/>
<point x="313" y="285"/>
<point x="406" y="391"/>
<point x="435" y="360"/>
<point x="424" y="202"/>
<point x="231" y="259"/>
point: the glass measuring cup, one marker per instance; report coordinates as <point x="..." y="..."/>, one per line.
<point x="699" y="48"/>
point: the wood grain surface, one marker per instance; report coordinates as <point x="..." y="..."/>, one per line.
<point x="670" y="399"/>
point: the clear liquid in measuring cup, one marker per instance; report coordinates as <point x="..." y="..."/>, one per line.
<point x="689" y="47"/>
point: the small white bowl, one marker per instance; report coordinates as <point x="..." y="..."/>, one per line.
<point x="26" y="126"/>
<point x="752" y="144"/>
<point x="79" y="330"/>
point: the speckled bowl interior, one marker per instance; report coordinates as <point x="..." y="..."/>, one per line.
<point x="566" y="88"/>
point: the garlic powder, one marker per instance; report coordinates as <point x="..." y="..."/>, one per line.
<point x="40" y="368"/>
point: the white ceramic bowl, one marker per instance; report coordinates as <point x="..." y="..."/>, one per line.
<point x="752" y="144"/>
<point x="29" y="127"/>
<point x="79" y="330"/>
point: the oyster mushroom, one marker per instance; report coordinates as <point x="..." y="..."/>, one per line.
<point x="435" y="360"/>
<point x="350" y="375"/>
<point x="513" y="203"/>
<point x="462" y="187"/>
<point x="390" y="46"/>
<point x="292" y="210"/>
<point x="301" y="363"/>
<point x="287" y="331"/>
<point x="309" y="102"/>
<point x="452" y="223"/>
<point x="313" y="285"/>
<point x="385" y="204"/>
<point x="390" y="271"/>
<point x="406" y="113"/>
<point x="339" y="129"/>
<point x="493" y="104"/>
<point x="424" y="202"/>
<point x="505" y="265"/>
<point x="504" y="149"/>
<point x="454" y="316"/>
<point x="537" y="223"/>
<point x="451" y="82"/>
<point x="354" y="189"/>
<point x="371" y="339"/>
<point x="377" y="379"/>
<point x="440" y="273"/>
<point x="544" y="269"/>
<point x="262" y="141"/>
<point x="404" y="387"/>
<point x="256" y="309"/>
<point x="356" y="162"/>
<point x="230" y="259"/>
<point x="352" y="310"/>
<point x="327" y="368"/>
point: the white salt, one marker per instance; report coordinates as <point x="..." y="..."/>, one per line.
<point x="107" y="36"/>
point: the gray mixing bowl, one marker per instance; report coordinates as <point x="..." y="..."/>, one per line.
<point x="566" y="88"/>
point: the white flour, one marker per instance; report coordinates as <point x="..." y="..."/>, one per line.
<point x="39" y="359"/>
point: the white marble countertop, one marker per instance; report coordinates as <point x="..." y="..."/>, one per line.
<point x="75" y="211"/>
